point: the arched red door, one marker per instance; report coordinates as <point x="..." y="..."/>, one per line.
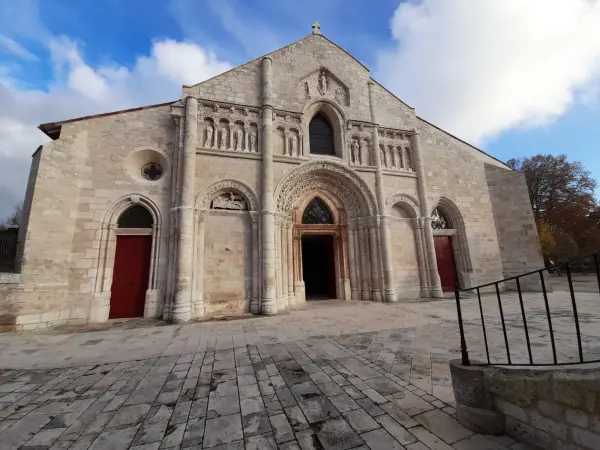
<point x="130" y="276"/>
<point x="446" y="265"/>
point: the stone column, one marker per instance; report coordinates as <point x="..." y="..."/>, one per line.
<point x="354" y="295"/>
<point x="364" y="257"/>
<point x="357" y="259"/>
<point x="246" y="147"/>
<point x="231" y="145"/>
<point x="254" y="301"/>
<point x="418" y="230"/>
<point x="434" y="277"/>
<point x="290" y="262"/>
<point x="286" y="143"/>
<point x="386" y="245"/>
<point x="376" y="277"/>
<point x="283" y="264"/>
<point x="269" y="300"/>
<point x="182" y="302"/>
<point x="278" y="263"/>
<point x="198" y="299"/>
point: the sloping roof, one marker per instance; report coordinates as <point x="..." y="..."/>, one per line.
<point x="52" y="129"/>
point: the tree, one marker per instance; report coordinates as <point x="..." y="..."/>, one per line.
<point x="14" y="219"/>
<point x="563" y="203"/>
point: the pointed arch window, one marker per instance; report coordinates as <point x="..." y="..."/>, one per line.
<point x="321" y="136"/>
<point x="439" y="221"/>
<point x="136" y="216"/>
<point x="317" y="213"/>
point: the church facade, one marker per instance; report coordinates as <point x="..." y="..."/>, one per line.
<point x="293" y="177"/>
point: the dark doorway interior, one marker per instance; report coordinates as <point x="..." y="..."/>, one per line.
<point x="318" y="266"/>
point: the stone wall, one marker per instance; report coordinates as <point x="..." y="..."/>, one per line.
<point x="78" y="178"/>
<point x="515" y="225"/>
<point x="455" y="173"/>
<point x="546" y="408"/>
<point x="227" y="264"/>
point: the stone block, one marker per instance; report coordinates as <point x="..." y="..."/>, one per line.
<point x="480" y="420"/>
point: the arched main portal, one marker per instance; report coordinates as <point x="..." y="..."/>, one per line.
<point x="322" y="204"/>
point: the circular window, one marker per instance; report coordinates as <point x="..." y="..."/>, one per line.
<point x="152" y="171"/>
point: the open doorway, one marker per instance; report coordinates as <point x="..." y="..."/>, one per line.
<point x="318" y="265"/>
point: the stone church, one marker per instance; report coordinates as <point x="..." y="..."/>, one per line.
<point x="291" y="178"/>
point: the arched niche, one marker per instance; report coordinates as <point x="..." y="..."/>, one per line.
<point x="336" y="119"/>
<point x="131" y="215"/>
<point x="447" y="220"/>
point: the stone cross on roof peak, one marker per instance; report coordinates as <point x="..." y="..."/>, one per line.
<point x="316" y="27"/>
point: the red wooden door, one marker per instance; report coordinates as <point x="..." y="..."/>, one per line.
<point x="444" y="254"/>
<point x="130" y="276"/>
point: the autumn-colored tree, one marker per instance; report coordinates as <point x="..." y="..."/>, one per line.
<point x="563" y="203"/>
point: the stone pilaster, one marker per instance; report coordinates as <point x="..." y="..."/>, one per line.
<point x="354" y="294"/>
<point x="269" y="300"/>
<point x="384" y="230"/>
<point x="418" y="231"/>
<point x="290" y="262"/>
<point x="198" y="298"/>
<point x="182" y="302"/>
<point x="434" y="277"/>
<point x="254" y="301"/>
<point x="364" y="258"/>
<point x="375" y="265"/>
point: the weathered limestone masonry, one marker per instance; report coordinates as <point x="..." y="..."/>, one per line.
<point x="292" y="177"/>
<point x="547" y="408"/>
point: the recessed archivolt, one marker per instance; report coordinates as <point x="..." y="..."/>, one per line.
<point x="208" y="193"/>
<point x="451" y="211"/>
<point x="406" y="200"/>
<point x="118" y="207"/>
<point x="340" y="180"/>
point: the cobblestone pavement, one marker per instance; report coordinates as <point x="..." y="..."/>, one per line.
<point x="334" y="375"/>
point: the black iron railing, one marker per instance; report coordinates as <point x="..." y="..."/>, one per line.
<point x="568" y="305"/>
<point x="8" y="249"/>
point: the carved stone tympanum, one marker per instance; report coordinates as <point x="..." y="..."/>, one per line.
<point x="229" y="200"/>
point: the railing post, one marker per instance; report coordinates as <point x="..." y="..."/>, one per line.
<point x="463" y="343"/>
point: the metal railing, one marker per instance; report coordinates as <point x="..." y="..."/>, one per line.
<point x="8" y="249"/>
<point x="589" y="264"/>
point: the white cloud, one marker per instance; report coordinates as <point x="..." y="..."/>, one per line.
<point x="16" y="49"/>
<point x="478" y="68"/>
<point x="78" y="89"/>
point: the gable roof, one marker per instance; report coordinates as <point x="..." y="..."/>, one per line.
<point x="52" y="129"/>
<point x="277" y="50"/>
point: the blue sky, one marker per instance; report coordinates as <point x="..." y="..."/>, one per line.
<point x="514" y="78"/>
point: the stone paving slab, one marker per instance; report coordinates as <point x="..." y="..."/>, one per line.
<point x="354" y="375"/>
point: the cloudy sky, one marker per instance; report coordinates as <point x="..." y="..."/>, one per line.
<point x="511" y="76"/>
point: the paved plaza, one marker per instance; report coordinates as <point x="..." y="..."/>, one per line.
<point x="333" y="375"/>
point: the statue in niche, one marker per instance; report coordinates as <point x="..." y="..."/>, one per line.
<point x="340" y="96"/>
<point x="323" y="83"/>
<point x="253" y="141"/>
<point x="293" y="145"/>
<point x="382" y="156"/>
<point x="209" y="136"/>
<point x="239" y="138"/>
<point x="307" y="90"/>
<point x="407" y="159"/>
<point x="230" y="201"/>
<point x="364" y="152"/>
<point x="223" y="138"/>
<point x="355" y="146"/>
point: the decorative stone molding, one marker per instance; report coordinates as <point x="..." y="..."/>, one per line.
<point x="403" y="198"/>
<point x="329" y="176"/>
<point x="228" y="127"/>
<point x="208" y="193"/>
<point x="321" y="83"/>
<point x="461" y="245"/>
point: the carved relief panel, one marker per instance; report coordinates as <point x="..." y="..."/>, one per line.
<point x="288" y="134"/>
<point x="359" y="143"/>
<point x="395" y="150"/>
<point x="228" y="127"/>
<point x="322" y="83"/>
